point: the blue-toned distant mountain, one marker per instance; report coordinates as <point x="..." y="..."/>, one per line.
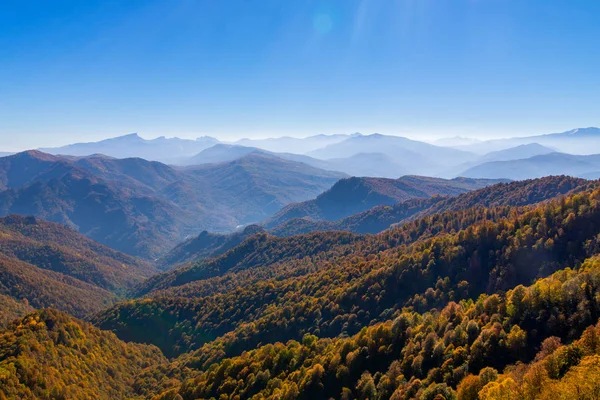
<point x="224" y="152"/>
<point x="288" y="144"/>
<point x="408" y="155"/>
<point x="514" y="153"/>
<point x="179" y="151"/>
<point x="362" y="164"/>
<point x="538" y="166"/>
<point x="166" y="150"/>
<point x="584" y="141"/>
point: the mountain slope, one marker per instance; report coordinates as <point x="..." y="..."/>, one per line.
<point x="23" y="281"/>
<point x="205" y="245"/>
<point x="44" y="264"/>
<point x="377" y="219"/>
<point x="515" y="194"/>
<point x="343" y="282"/>
<point x="60" y="249"/>
<point x="11" y="309"/>
<point x="353" y="195"/>
<point x="101" y="210"/>
<point x="454" y="351"/>
<point x="259" y="185"/>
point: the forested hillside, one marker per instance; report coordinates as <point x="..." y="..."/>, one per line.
<point x="44" y="264"/>
<point x="11" y="309"/>
<point x="380" y="218"/>
<point x="340" y="288"/>
<point x="354" y="195"/>
<point x="457" y="351"/>
<point x="205" y="245"/>
<point x="495" y="297"/>
<point x="377" y="219"/>
<point x="55" y="247"/>
<point x="50" y="355"/>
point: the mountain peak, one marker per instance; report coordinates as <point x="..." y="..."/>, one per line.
<point x="590" y="131"/>
<point x="34" y="154"/>
<point x="130" y="136"/>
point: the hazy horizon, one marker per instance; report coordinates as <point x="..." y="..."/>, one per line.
<point x="224" y="139"/>
<point x="85" y="71"/>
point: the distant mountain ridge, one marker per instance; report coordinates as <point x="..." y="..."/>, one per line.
<point x="415" y="157"/>
<point x="361" y="164"/>
<point x="288" y="144"/>
<point x="510" y="154"/>
<point x="167" y="150"/>
<point x="175" y="150"/>
<point x="537" y="167"/>
<point x="581" y="141"/>
<point x="356" y="154"/>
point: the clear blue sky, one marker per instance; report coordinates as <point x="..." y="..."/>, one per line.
<point x="83" y="70"/>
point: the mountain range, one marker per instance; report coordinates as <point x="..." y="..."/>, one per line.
<point x="412" y="156"/>
<point x="176" y="151"/>
<point x="380" y="218"/>
<point x="489" y="281"/>
<point x="356" y="154"/>
<point x="497" y="284"/>
<point x="167" y="150"/>
<point x="582" y="141"/>
<point x="145" y="208"/>
<point x="361" y="164"/>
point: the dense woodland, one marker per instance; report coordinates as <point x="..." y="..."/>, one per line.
<point x="492" y="294"/>
<point x="525" y="343"/>
<point x="346" y="287"/>
<point x="50" y="355"/>
<point x="44" y="264"/>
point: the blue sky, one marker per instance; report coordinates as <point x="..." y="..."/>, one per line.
<point x="85" y="70"/>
